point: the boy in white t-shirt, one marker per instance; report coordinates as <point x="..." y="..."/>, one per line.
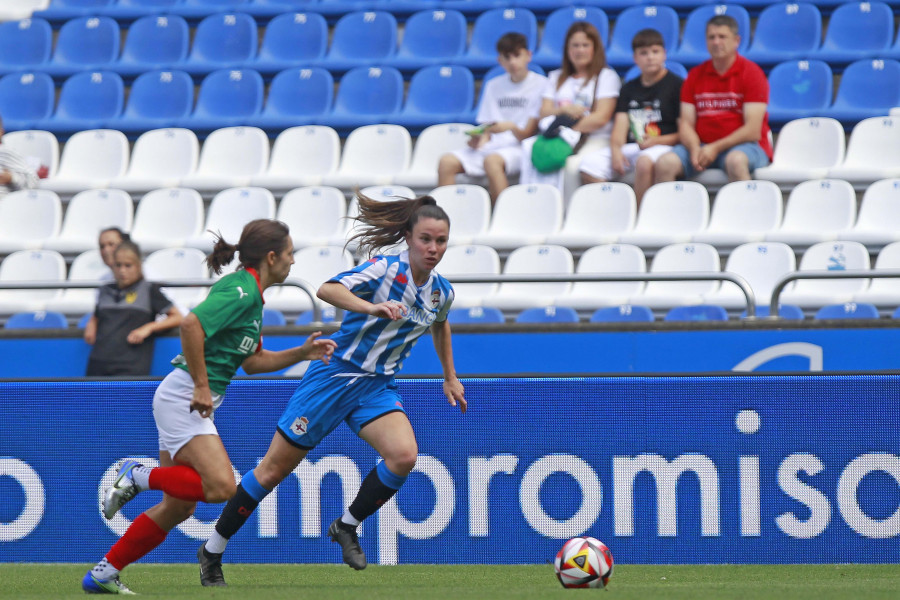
<point x="507" y="114"/>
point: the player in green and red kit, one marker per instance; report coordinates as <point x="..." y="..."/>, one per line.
<point x="218" y="336"/>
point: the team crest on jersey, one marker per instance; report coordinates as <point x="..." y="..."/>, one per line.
<point x="401" y="278"/>
<point x="435" y="298"/>
<point x="299" y="425"/>
<point x="131" y="297"/>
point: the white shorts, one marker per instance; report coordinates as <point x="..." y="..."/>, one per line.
<point x="176" y="422"/>
<point x="473" y="160"/>
<point x="599" y="164"/>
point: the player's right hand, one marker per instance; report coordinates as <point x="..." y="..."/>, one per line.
<point x="391" y="309"/>
<point x="202" y="402"/>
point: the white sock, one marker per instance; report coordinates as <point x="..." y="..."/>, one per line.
<point x="141" y="476"/>
<point x="104" y="571"/>
<point x="350" y="519"/>
<point x="216" y="543"/>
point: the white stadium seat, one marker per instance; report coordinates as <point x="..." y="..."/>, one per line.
<point x="828" y="256"/>
<point x="229" y="211"/>
<point x="805" y="149"/>
<point x="816" y="211"/>
<point x="27" y="218"/>
<point x="39" y="147"/>
<point x="598" y="213"/>
<point x="670" y="213"/>
<point x="762" y="264"/>
<point x="878" y="222"/>
<point x="167" y="218"/>
<point x="606" y="259"/>
<point x="884" y="291"/>
<point x="160" y="158"/>
<point x="88" y="213"/>
<point x="315" y="215"/>
<point x="431" y="144"/>
<point x="302" y="155"/>
<point x="871" y="152"/>
<point x="90" y="159"/>
<point x="744" y="211"/>
<point x="87" y="266"/>
<point x="469" y="209"/>
<point x="230" y="157"/>
<point x="524" y="215"/>
<point x="533" y="260"/>
<point x="32" y="266"/>
<point x="470" y="260"/>
<point x="315" y="265"/>
<point x="372" y="155"/>
<point x="688" y="258"/>
<point x="174" y="264"/>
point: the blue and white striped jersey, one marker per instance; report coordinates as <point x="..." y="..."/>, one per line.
<point x="379" y="345"/>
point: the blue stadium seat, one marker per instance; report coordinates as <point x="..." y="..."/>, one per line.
<point x="785" y="311"/>
<point x="154" y="42"/>
<point x="550" y="51"/>
<point x="498" y="70"/>
<point x="664" y="19"/>
<point x="491" y="26"/>
<point x="786" y="31"/>
<point x="222" y="41"/>
<point x="868" y="88"/>
<point x="431" y="37"/>
<point x="676" y="67"/>
<point x="692" y="49"/>
<point x="798" y="89"/>
<point x="621" y="314"/>
<point x="37" y="320"/>
<point x="158" y="99"/>
<point x="849" y="310"/>
<point x="896" y="314"/>
<point x="405" y="8"/>
<point x="699" y="312"/>
<point x="306" y="317"/>
<point x="296" y="97"/>
<point x="366" y="96"/>
<point x="126" y="10"/>
<point x="857" y="30"/>
<point x="476" y="315"/>
<point x="361" y="38"/>
<point x="438" y="94"/>
<point x="200" y="9"/>
<point x="25" y="45"/>
<point x="84" y="44"/>
<point x="63" y="10"/>
<point x="271" y="8"/>
<point x="86" y="101"/>
<point x="25" y="99"/>
<point x="272" y="317"/>
<point x="292" y="39"/>
<point x="548" y="314"/>
<point x="473" y="8"/>
<point x="227" y="97"/>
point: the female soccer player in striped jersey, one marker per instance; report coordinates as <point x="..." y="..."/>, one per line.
<point x="221" y="334"/>
<point x="391" y="302"/>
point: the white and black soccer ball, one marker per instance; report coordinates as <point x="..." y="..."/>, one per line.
<point x="583" y="562"/>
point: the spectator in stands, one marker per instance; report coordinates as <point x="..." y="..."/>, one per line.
<point x="125" y="319"/>
<point x="723" y="122"/>
<point x="646" y="121"/>
<point x="109" y="240"/>
<point x="15" y="171"/>
<point x="584" y="88"/>
<point x="507" y="114"/>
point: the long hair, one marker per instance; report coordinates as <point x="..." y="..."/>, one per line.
<point x="385" y="224"/>
<point x="597" y="64"/>
<point x="258" y="238"/>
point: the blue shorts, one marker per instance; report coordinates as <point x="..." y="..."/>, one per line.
<point x="756" y="157"/>
<point x="329" y="394"/>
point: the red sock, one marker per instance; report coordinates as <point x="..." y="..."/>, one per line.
<point x="179" y="481"/>
<point x="143" y="536"/>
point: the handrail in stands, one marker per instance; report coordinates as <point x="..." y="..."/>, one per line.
<point x="825" y="274"/>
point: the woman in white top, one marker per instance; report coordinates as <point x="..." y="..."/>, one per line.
<point x="585" y="88"/>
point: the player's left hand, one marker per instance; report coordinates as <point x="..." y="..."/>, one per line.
<point x="455" y="392"/>
<point x="315" y="349"/>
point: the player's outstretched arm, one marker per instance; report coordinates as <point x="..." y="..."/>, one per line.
<point x="267" y="361"/>
<point x="340" y="297"/>
<point x="453" y="388"/>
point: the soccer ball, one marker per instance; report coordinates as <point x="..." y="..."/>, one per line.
<point x="583" y="562"/>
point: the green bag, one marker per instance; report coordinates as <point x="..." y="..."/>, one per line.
<point x="550" y="154"/>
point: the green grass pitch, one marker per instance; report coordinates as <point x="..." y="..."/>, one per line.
<point x="461" y="582"/>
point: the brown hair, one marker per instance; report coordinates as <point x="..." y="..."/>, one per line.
<point x="258" y="238"/>
<point x="122" y="235"/>
<point x="387" y="223"/>
<point x="568" y="69"/>
<point x="127" y="244"/>
<point x="724" y="21"/>
<point x="511" y="43"/>
<point x="647" y="37"/>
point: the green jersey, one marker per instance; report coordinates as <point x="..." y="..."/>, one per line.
<point x="231" y="317"/>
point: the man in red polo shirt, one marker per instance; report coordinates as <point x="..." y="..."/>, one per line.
<point x="724" y="124"/>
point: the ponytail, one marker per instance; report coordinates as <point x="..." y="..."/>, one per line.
<point x="258" y="238"/>
<point x="385" y="224"/>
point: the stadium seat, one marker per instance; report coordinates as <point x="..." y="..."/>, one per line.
<point x="437" y="94"/>
<point x="816" y="211"/>
<point x="524" y="215"/>
<point x="676" y="67"/>
<point x="662" y="18"/>
<point x="296" y="97"/>
<point x="670" y="213"/>
<point x="547" y="314"/>
<point x="272" y="317"/>
<point x="27" y="218"/>
<point x="490" y="26"/>
<point x="26" y="99"/>
<point x="805" y="149"/>
<point x="868" y="88"/>
<point x="30" y="265"/>
<point x="621" y="314"/>
<point x="230" y="157"/>
<point x="361" y="39"/>
<point x="62" y="10"/>
<point x="160" y="158"/>
<point x="878" y="221"/>
<point x="154" y="225"/>
<point x="84" y="44"/>
<point x="198" y="9"/>
<point x="607" y="259"/>
<point x="366" y="96"/>
<point x="314" y="265"/>
<point x="40" y="148"/>
<point x="871" y="151"/>
<point x="791" y="312"/>
<point x="469" y="209"/>
<point x="87" y="266"/>
<point x="37" y="320"/>
<point x="470" y="260"/>
<point x="25" y="45"/>
<point x="87" y="100"/>
<point x="681" y="258"/>
<point x="154" y="42"/>
<point x="292" y="40"/>
<point x="549" y="53"/>
<point x="692" y="49"/>
<point x="229" y="211"/>
<point x="829" y="256"/>
<point x="697" y="312"/>
<point x="131" y="10"/>
<point x="157" y="99"/>
<point x="87" y="214"/>
<point x="372" y="155"/>
<point x="301" y="156"/>
<point x="175" y="264"/>
<point x="21" y="9"/>
<point x="883" y="291"/>
<point x="90" y="159"/>
<point x="221" y="41"/>
<point x="857" y="30"/>
<point x="798" y="89"/>
<point x="433" y="142"/>
<point x="314" y="214"/>
<point x="475" y="315"/>
<point x="744" y="211"/>
<point x="533" y="260"/>
<point x="227" y="98"/>
<point x="598" y="213"/>
<point x="847" y="310"/>
<point x="762" y="264"/>
<point x="329" y="313"/>
<point x="786" y="31"/>
<point x="431" y="37"/>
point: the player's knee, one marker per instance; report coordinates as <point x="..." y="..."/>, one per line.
<point x="403" y="462"/>
<point x="220" y="491"/>
<point x="179" y="511"/>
